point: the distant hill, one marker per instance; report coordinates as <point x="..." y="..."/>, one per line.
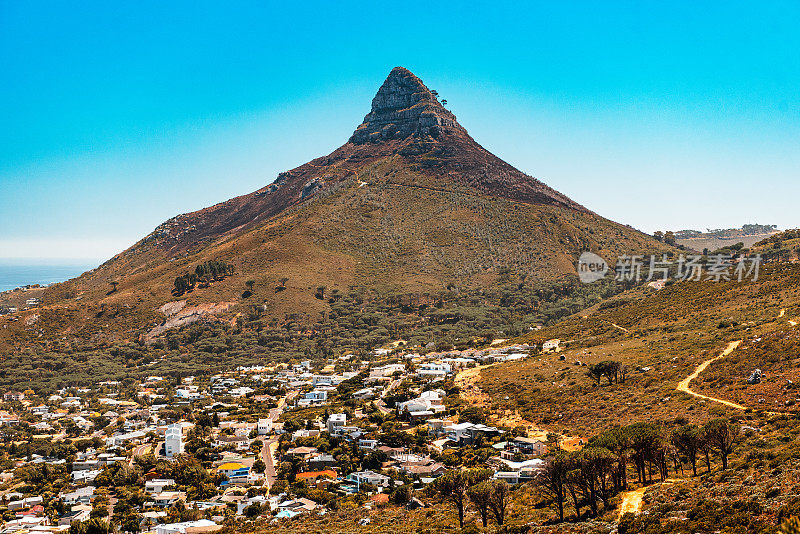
<point x="410" y="204"/>
<point x="714" y="239"/>
<point x="784" y="246"/>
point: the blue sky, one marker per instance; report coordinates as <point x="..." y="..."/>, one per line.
<point x="117" y="116"/>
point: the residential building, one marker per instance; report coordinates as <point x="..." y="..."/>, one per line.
<point x="336" y="421"/>
<point x="173" y="441"/>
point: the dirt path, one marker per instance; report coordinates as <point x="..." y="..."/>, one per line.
<point x="684" y="385"/>
<point x="467" y="382"/>
<point x="631" y="501"/>
<point x="620" y="328"/>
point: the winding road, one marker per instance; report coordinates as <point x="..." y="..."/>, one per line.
<point x="380" y="404"/>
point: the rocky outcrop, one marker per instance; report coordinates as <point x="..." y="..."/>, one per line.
<point x="404" y="107"/>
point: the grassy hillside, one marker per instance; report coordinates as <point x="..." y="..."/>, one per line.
<point x="661" y="336"/>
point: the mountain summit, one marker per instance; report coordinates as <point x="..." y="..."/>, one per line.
<point x="404" y="107"/>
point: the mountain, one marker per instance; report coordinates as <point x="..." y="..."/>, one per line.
<point x="410" y="204"/>
<point x="406" y="122"/>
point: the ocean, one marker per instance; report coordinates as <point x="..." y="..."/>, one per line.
<point x="13" y="275"/>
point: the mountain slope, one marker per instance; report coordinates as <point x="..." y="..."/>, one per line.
<point x="411" y="203"/>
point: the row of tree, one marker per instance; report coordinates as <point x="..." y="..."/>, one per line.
<point x="490" y="498"/>
<point x="205" y="273"/>
<point x="600" y="470"/>
<point x="613" y="371"/>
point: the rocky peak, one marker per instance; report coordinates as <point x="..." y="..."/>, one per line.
<point x="404" y="107"/>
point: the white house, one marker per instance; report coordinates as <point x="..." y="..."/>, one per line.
<point x="429" y="402"/>
<point x="264" y="426"/>
<point x="158" y="485"/>
<point x="316" y="396"/>
<point x="173" y="441"/>
<point x="434" y="369"/>
<point x="79" y="496"/>
<point x="336" y="421"/>
<point x="201" y="525"/>
<point x="550" y="345"/>
<point x="369" y="477"/>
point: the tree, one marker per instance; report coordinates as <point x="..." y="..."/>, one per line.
<point x="595" y="372"/>
<point x="722" y="435"/>
<point x="91" y="526"/>
<point x="645" y="439"/>
<point x="704" y="445"/>
<point x="552" y="479"/>
<point x="686" y="440"/>
<point x="669" y="238"/>
<point x="480" y="495"/>
<point x="453" y="486"/>
<point x="612" y="370"/>
<point x="259" y="466"/>
<point x="791" y="526"/>
<point x="402" y="494"/>
<point x="594" y="466"/>
<point x="499" y="498"/>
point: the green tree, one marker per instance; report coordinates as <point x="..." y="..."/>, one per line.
<point x="552" y="479"/>
<point x="723" y="436"/>
<point x="791" y="526"/>
<point x="480" y="495"/>
<point x="686" y="439"/>
<point x="499" y="499"/>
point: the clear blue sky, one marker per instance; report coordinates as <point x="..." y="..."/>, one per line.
<point x="119" y="115"/>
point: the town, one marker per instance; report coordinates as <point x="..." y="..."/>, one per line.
<point x="196" y="453"/>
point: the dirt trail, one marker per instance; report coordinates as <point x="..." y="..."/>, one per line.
<point x="621" y="328"/>
<point x="684" y="385"/>
<point x="631" y="501"/>
<point x="467" y="382"/>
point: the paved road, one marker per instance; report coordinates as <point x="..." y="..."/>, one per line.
<point x="380" y="404"/>
<point x="269" y="460"/>
<point x="267" y="451"/>
<point x="141" y="450"/>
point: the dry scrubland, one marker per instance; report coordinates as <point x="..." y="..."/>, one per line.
<point x="670" y="332"/>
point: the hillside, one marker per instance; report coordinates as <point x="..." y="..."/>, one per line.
<point x="410" y="204"/>
<point x="661" y="336"/>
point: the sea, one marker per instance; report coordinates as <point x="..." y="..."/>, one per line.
<point x="16" y="273"/>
